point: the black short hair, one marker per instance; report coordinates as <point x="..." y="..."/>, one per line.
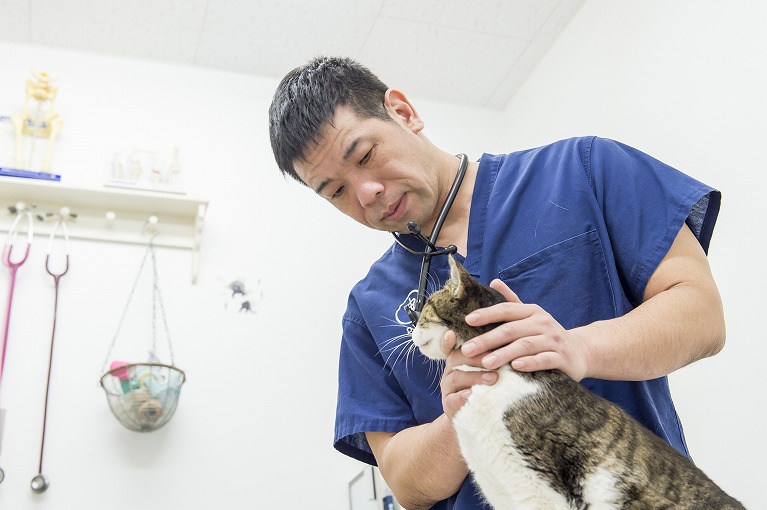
<point x="307" y="98"/>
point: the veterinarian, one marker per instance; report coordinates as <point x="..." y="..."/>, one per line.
<point x="600" y="249"/>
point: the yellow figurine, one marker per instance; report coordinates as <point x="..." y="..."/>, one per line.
<point x="43" y="123"/>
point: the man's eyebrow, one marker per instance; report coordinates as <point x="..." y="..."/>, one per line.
<point x="351" y="149"/>
<point x="322" y="185"/>
<point x="347" y="155"/>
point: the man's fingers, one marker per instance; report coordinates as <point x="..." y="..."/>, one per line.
<point x="504" y="289"/>
<point x="448" y="343"/>
<point x="505" y="334"/>
<point x="453" y="402"/>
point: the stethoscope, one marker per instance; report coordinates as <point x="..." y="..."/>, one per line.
<point x="414" y="312"/>
<point x="40" y="481"/>
<point x="13" y="266"/>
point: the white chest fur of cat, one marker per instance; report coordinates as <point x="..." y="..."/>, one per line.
<point x="507" y="481"/>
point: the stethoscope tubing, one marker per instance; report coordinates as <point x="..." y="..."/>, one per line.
<point x="431" y="250"/>
<point x="40" y="482"/>
<point x="7" y="258"/>
<point x="450" y="198"/>
<point x="13" y="268"/>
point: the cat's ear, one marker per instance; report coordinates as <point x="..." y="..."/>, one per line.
<point x="456" y="281"/>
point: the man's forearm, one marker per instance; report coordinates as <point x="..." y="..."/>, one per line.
<point x="422" y="465"/>
<point x="668" y="331"/>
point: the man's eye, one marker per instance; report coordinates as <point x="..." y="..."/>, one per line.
<point x="366" y="157"/>
<point x="338" y="192"/>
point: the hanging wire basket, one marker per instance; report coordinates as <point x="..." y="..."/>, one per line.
<point x="143" y="396"/>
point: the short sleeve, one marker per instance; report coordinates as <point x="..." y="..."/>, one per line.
<point x="645" y="203"/>
<point x="369" y="396"/>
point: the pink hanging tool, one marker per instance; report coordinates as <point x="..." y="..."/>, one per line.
<point x="13" y="266"/>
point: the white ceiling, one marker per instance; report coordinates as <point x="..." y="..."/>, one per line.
<point x="474" y="53"/>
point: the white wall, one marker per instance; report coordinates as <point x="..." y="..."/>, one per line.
<point x="254" y="426"/>
<point x="685" y="81"/>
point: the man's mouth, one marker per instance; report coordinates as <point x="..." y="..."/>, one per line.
<point x="396" y="211"/>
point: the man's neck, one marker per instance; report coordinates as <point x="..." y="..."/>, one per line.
<point x="455" y="230"/>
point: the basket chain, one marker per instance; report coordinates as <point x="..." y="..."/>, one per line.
<point x="156" y="299"/>
<point x="156" y="292"/>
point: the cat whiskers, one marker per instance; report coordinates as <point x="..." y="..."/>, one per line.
<point x="432" y="280"/>
<point x="439" y="369"/>
<point x="406" y="350"/>
<point x="403" y="347"/>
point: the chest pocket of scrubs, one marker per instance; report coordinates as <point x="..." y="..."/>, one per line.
<point x="569" y="279"/>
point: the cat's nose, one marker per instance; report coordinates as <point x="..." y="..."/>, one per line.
<point x="419" y="338"/>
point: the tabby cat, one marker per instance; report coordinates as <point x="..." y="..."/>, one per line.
<point x="542" y="441"/>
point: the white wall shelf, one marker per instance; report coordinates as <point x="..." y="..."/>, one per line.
<point x="179" y="218"/>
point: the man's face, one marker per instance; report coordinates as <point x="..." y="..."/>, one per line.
<point x="375" y="171"/>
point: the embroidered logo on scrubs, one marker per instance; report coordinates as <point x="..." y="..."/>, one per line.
<point x="400" y="316"/>
<point x="398" y="347"/>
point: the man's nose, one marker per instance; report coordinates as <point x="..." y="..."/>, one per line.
<point x="368" y="192"/>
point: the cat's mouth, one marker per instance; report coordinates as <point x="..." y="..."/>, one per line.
<point x="428" y="341"/>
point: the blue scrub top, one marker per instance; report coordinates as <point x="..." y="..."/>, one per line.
<point x="577" y="227"/>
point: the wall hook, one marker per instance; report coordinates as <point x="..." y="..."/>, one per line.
<point x="150" y="227"/>
<point x="110" y="216"/>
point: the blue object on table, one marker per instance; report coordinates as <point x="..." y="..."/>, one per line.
<point x="29" y="174"/>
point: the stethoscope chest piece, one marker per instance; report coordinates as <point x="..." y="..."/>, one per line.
<point x="39" y="483"/>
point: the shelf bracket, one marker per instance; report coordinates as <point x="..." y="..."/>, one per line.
<point x="198" y="223"/>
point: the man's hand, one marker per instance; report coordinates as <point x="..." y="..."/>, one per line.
<point x="528" y="337"/>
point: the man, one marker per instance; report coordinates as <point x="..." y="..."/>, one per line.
<point x="603" y="246"/>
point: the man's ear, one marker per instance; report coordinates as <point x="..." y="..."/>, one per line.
<point x="400" y="108"/>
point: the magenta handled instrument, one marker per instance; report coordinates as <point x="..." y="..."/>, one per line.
<point x="13" y="266"/>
